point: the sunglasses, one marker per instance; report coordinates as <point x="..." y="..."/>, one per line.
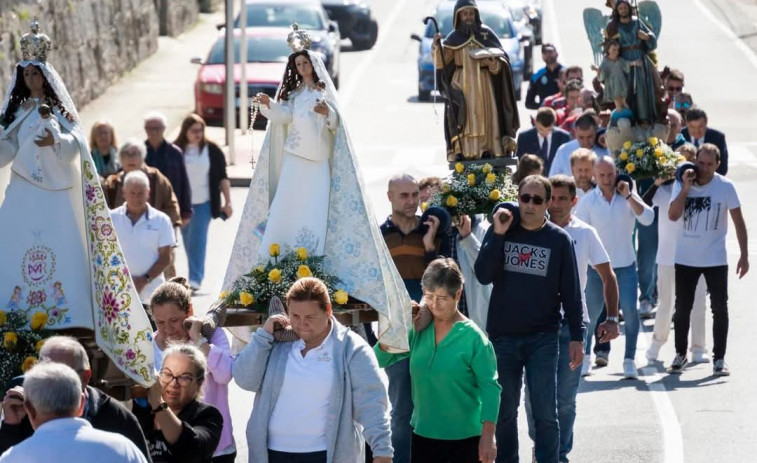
<point x="526" y="198"/>
<point x="684" y="105"/>
<point x="675" y="89"/>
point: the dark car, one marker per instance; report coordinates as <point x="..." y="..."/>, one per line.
<point x="355" y="21"/>
<point x="310" y="16"/>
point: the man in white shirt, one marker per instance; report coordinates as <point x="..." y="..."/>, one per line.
<point x="582" y="168"/>
<point x="613" y="210"/>
<point x="702" y="199"/>
<point x="586" y="136"/>
<point x="54" y="400"/>
<point x="146" y="235"/>
<point x="589" y="252"/>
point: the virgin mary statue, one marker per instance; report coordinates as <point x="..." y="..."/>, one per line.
<point x="307" y="191"/>
<point x="61" y="260"/>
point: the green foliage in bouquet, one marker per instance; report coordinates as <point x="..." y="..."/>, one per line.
<point x="649" y="159"/>
<point x="255" y="289"/>
<point x="474" y="189"/>
<point x="22" y="338"/>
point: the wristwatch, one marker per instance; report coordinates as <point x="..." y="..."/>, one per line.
<point x="146" y="276"/>
<point x="159" y="408"/>
<point x="613" y="319"/>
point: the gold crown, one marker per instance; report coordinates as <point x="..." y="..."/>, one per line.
<point x="298" y="39"/>
<point x="34" y="46"/>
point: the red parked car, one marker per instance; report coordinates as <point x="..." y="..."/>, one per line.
<point x="267" y="53"/>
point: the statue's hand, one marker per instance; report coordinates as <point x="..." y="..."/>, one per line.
<point x="643" y="35"/>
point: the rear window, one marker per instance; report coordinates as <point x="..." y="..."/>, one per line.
<point x="259" y="49"/>
<point x="272" y="15"/>
<point x="500" y="24"/>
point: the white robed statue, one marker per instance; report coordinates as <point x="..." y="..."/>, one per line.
<point x="58" y="248"/>
<point x="307" y="191"/>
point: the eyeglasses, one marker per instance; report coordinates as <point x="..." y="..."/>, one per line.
<point x="432" y="298"/>
<point x="182" y="380"/>
<point x="527" y="198"/>
<point x="675" y="89"/>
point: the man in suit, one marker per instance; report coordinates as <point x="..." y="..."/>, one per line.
<point x="697" y="133"/>
<point x="543" y="139"/>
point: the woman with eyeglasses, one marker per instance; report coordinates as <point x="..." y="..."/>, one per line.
<point x="171" y="309"/>
<point x="453" y="371"/>
<point x="178" y="426"/>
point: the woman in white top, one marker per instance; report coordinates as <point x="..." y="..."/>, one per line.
<point x="206" y="169"/>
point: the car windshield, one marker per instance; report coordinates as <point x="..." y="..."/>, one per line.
<point x="307" y="16"/>
<point x="500" y="24"/>
<point x="259" y="49"/>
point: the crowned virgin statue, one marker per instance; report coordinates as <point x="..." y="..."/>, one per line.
<point x="59" y="252"/>
<point x="307" y="191"/>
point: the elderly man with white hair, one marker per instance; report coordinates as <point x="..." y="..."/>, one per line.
<point x="54" y="402"/>
<point x="146" y="235"/>
<point x="100" y="410"/>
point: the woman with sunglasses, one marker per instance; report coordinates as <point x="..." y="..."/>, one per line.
<point x="172" y="311"/>
<point x="177" y="425"/>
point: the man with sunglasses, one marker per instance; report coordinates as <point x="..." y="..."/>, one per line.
<point x="674" y="84"/>
<point x="613" y="209"/>
<point x="698" y="133"/>
<point x="532" y="266"/>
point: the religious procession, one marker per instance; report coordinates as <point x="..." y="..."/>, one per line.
<point x="431" y="257"/>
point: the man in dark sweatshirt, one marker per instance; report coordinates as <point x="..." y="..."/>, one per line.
<point x="532" y="267"/>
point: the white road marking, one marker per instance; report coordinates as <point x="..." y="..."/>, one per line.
<point x="750" y="55"/>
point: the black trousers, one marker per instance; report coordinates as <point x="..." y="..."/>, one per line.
<point x="717" y="284"/>
<point x="230" y="458"/>
<point x="425" y="450"/>
<point x="286" y="457"/>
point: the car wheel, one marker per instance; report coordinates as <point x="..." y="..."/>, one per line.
<point x="366" y="41"/>
<point x="424" y="95"/>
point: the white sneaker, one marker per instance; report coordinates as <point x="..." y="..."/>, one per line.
<point x="653" y="352"/>
<point x="586" y="367"/>
<point x="629" y="369"/>
<point x="700" y="356"/>
<point x="645" y="310"/>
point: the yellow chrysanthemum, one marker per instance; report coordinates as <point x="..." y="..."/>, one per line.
<point x="471" y="180"/>
<point x="627" y="145"/>
<point x="38" y="346"/>
<point x="459" y="167"/>
<point x="223" y="295"/>
<point x="623" y="156"/>
<point x="630" y="167"/>
<point x="303" y="271"/>
<point x="341" y="297"/>
<point x="10" y="339"/>
<point x="487" y="168"/>
<point x="658" y="152"/>
<point x="259" y="269"/>
<point x="451" y="201"/>
<point x="424" y="206"/>
<point x="38" y="320"/>
<point x="302" y="253"/>
<point x="653" y="141"/>
<point x="639" y="152"/>
<point x="274" y="250"/>
<point x="28" y="363"/>
<point x="274" y="275"/>
<point x="494" y="195"/>
<point x="490" y="178"/>
<point x="246" y="298"/>
<point x="3" y="318"/>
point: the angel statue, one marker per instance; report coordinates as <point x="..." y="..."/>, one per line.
<point x="61" y="260"/>
<point x="637" y="38"/>
<point x="307" y="191"/>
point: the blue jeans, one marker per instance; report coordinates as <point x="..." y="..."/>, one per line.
<point x="195" y="236"/>
<point x="628" y="282"/>
<point x="567" y="389"/>
<point x="401" y="398"/>
<point x="646" y="257"/>
<point x="536" y="353"/>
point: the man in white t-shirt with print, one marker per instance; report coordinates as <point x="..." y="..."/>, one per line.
<point x="703" y="201"/>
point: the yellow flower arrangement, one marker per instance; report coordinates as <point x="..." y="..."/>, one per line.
<point x="303" y="271"/>
<point x="10" y="339"/>
<point x="274" y="250"/>
<point x="451" y="201"/>
<point x="3" y="318"/>
<point x="623" y="156"/>
<point x="627" y="145"/>
<point x="487" y="169"/>
<point x="38" y="346"/>
<point x="302" y="253"/>
<point x="490" y="178"/>
<point x="630" y="167"/>
<point x="471" y="179"/>
<point x="274" y="275"/>
<point x="459" y="167"/>
<point x="639" y="152"/>
<point x="341" y="297"/>
<point x="38" y="321"/>
<point x="653" y="141"/>
<point x="246" y="298"/>
<point x="657" y="152"/>
<point x="28" y="363"/>
<point x="495" y="195"/>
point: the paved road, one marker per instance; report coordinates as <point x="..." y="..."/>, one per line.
<point x="692" y="418"/>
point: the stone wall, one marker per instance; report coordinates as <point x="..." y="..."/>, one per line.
<point x="95" y="41"/>
<point x="176" y="16"/>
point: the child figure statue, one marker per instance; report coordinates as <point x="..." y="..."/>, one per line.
<point x="613" y="73"/>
